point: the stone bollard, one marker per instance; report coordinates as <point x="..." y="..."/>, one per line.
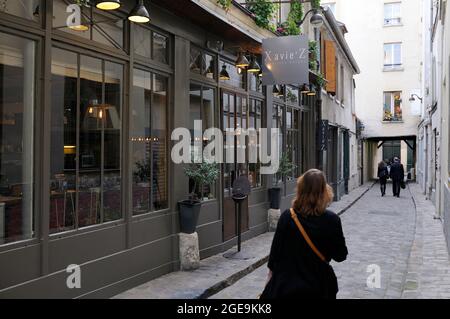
<point x="273" y="217"/>
<point x="189" y="251"/>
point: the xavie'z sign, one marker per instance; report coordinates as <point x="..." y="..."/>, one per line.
<point x="286" y="60"/>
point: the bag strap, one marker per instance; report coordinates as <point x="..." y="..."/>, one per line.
<point x="306" y="237"/>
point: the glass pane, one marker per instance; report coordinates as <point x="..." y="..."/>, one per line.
<point x="195" y="110"/>
<point x="160" y="48"/>
<point x="197" y="63"/>
<point x="236" y="77"/>
<point x="292" y="95"/>
<point x="112" y="146"/>
<point x="17" y="90"/>
<point x="109" y="33"/>
<point x="208" y="108"/>
<point x="91" y="126"/>
<point x="28" y="9"/>
<point x="210" y="72"/>
<point x="159" y="145"/>
<point x="63" y="140"/>
<point x="141" y="141"/>
<point x="142" y="44"/>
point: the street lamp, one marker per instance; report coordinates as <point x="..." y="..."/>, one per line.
<point x="412" y="99"/>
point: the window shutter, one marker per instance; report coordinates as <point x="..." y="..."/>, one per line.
<point x="330" y="66"/>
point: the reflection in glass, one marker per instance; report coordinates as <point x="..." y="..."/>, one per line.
<point x="160" y="48"/>
<point x="141" y="141"/>
<point x="91" y="127"/>
<point x="112" y="124"/>
<point x="142" y="41"/>
<point x="237" y="77"/>
<point x="149" y="142"/>
<point x="159" y="144"/>
<point x="63" y="141"/>
<point x="17" y="90"/>
<point x="27" y="9"/>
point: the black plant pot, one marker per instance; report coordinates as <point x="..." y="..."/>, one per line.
<point x="189" y="213"/>
<point x="275" y="197"/>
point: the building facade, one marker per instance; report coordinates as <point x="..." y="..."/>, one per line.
<point x="384" y="37"/>
<point x="86" y="119"/>
<point x="339" y="154"/>
<point x="433" y="137"/>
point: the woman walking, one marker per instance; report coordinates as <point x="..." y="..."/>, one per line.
<point x="308" y="236"/>
<point x="383" y="175"/>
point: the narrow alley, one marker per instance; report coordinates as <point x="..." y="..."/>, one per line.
<point x="407" y="245"/>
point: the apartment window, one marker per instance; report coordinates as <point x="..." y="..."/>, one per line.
<point x="392" y="55"/>
<point x="148" y="136"/>
<point x="392" y="14"/>
<point x="85" y="178"/>
<point x="392" y="106"/>
<point x="331" y="6"/>
<point x="17" y="107"/>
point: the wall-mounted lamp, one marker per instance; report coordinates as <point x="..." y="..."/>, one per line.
<point x="412" y="98"/>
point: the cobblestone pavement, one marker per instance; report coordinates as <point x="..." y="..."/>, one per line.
<point x="217" y="272"/>
<point x="382" y="232"/>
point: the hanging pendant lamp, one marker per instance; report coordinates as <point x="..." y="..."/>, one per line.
<point x="108" y="4"/>
<point x="140" y="13"/>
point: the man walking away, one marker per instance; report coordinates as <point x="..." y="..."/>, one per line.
<point x="383" y="175"/>
<point x="397" y="176"/>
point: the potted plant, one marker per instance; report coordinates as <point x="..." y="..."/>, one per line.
<point x="201" y="174"/>
<point x="286" y="167"/>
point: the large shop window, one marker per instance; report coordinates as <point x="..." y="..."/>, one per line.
<point x="278" y="122"/>
<point x="103" y="28"/>
<point x="202" y="108"/>
<point x="255" y="122"/>
<point x="17" y="105"/>
<point x="293" y="140"/>
<point x="151" y="44"/>
<point x="27" y="9"/>
<point x="149" y="142"/>
<point x="85" y="141"/>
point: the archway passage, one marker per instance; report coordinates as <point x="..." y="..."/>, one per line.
<point x="387" y="148"/>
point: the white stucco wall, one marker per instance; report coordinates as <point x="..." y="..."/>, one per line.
<point x="366" y="38"/>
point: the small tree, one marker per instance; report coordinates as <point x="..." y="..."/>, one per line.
<point x="286" y="167"/>
<point x="202" y="174"/>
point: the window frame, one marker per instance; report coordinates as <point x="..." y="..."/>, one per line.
<point x="393" y="65"/>
<point x="392" y="106"/>
<point x="387" y="20"/>
<point x="37" y="128"/>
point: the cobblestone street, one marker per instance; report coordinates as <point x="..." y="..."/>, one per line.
<point x="412" y="256"/>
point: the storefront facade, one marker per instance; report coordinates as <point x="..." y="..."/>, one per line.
<point x="86" y="122"/>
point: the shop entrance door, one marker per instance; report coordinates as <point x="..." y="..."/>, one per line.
<point x="235" y="115"/>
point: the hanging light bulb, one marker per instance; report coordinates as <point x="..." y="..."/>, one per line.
<point x="140" y="13"/>
<point x="224" y="76"/>
<point x="108" y="4"/>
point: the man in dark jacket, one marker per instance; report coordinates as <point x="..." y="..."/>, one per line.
<point x="397" y="175"/>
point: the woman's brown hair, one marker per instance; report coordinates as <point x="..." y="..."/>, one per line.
<point x="313" y="193"/>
